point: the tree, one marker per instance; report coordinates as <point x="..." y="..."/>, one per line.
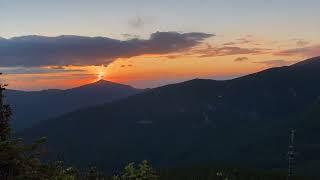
<point x="18" y="160"/>
<point x="142" y="172"/>
<point x="5" y="113"/>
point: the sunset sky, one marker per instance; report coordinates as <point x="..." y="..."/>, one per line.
<point x="60" y="44"/>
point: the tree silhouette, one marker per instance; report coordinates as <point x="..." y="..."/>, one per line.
<point x="17" y="160"/>
<point x="5" y="113"/>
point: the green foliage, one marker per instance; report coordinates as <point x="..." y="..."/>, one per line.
<point x="210" y="172"/>
<point x="141" y="172"/>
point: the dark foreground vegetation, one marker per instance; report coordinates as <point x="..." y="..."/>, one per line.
<point x="207" y="172"/>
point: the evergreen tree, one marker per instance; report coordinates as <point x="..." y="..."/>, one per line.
<point x="5" y="113"/>
<point x="17" y="160"/>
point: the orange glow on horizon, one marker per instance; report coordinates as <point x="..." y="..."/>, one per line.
<point x="141" y="70"/>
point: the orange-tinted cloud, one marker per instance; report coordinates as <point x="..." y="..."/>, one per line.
<point x="246" y="40"/>
<point x="228" y="50"/>
<point x="302" y="43"/>
<point x="241" y="59"/>
<point x="309" y="51"/>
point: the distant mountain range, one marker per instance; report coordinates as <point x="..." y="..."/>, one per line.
<point x="245" y="120"/>
<point x="32" y="107"/>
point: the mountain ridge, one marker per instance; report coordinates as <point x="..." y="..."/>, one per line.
<point x="34" y="106"/>
<point x="197" y="120"/>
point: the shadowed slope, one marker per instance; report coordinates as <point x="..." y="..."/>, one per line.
<point x="32" y="107"/>
<point x="197" y="120"/>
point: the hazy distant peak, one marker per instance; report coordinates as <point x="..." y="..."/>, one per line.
<point x="101" y="84"/>
<point x="105" y="82"/>
<point x="28" y="38"/>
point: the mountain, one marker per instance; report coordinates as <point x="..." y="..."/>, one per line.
<point x="245" y="120"/>
<point x="31" y="107"/>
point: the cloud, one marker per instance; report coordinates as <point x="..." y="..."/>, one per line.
<point x="302" y="43"/>
<point x="276" y="63"/>
<point x="244" y="40"/>
<point x="241" y="59"/>
<point x="57" y="67"/>
<point x="130" y="36"/>
<point x="137" y="22"/>
<point x="172" y="56"/>
<point x="228" y="50"/>
<point x="124" y="65"/>
<point x="309" y="51"/>
<point x="229" y="44"/>
<point x="37" y="70"/>
<point x="37" y="51"/>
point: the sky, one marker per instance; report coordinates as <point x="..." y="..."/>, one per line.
<point x="61" y="44"/>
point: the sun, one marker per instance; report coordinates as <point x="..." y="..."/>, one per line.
<point x="101" y="75"/>
<point x="100" y="72"/>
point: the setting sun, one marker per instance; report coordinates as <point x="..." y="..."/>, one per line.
<point x="100" y="75"/>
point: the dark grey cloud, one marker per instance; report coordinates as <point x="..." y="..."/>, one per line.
<point x="36" y="70"/>
<point x="35" y="51"/>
